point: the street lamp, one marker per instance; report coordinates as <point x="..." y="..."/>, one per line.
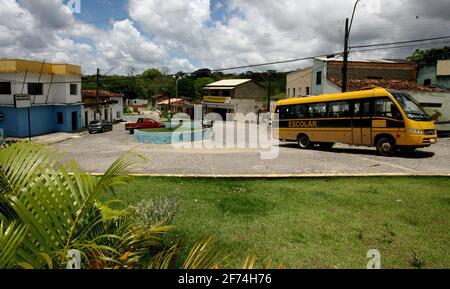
<point x="348" y="27"/>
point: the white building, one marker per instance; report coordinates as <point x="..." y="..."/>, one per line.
<point x="110" y="106"/>
<point x="298" y="83"/>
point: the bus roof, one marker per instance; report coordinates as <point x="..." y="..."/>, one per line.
<point x="336" y="97"/>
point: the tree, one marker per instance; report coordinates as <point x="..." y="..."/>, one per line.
<point x="152" y="73"/>
<point x="430" y="55"/>
<point x="200" y="83"/>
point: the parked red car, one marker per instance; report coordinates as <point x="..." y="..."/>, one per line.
<point x="143" y="123"/>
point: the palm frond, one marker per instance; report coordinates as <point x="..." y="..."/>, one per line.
<point x="204" y="256"/>
<point x="10" y="240"/>
<point x="57" y="203"/>
<point x="165" y="259"/>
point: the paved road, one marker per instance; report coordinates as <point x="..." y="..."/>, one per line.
<point x="96" y="152"/>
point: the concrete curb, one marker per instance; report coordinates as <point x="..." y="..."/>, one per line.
<point x="284" y="176"/>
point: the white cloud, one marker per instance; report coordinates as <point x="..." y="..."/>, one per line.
<point x="176" y="23"/>
<point x="182" y="35"/>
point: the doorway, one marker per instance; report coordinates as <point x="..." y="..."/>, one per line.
<point x="86" y="119"/>
<point x="74" y="121"/>
<point x="362" y="123"/>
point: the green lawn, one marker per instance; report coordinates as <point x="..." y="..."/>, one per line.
<point x="312" y="223"/>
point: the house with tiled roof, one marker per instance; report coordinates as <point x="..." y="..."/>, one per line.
<point x="108" y="107"/>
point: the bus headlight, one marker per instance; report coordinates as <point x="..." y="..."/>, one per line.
<point x="415" y="131"/>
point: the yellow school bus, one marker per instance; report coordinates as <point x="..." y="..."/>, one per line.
<point x="376" y="117"/>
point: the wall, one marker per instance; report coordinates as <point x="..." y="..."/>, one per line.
<point x="362" y="70"/>
<point x="429" y="71"/>
<point x="246" y="106"/>
<point x="117" y="108"/>
<point x="171" y="137"/>
<point x="43" y="120"/>
<point x="299" y="80"/>
<point x="59" y="92"/>
<point x="250" y="90"/>
<point x="443" y="121"/>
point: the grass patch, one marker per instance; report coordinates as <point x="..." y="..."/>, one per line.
<point x="312" y="223"/>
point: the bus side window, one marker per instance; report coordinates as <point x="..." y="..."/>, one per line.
<point x="385" y="107"/>
<point x="365" y="109"/>
<point x="339" y="109"/>
<point x="357" y="109"/>
<point x="302" y="111"/>
<point x="318" y="110"/>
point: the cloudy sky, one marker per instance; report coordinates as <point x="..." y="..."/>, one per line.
<point x="187" y="35"/>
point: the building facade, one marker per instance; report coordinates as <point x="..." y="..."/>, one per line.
<point x="327" y="72"/>
<point x="298" y="83"/>
<point x="233" y="96"/>
<point x="55" y="91"/>
<point x="110" y="106"/>
<point x="435" y="74"/>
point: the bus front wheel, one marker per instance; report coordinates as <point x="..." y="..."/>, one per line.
<point x="385" y="147"/>
<point x="303" y="142"/>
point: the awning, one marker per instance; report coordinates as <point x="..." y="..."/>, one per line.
<point x="217" y="105"/>
<point x="219" y="88"/>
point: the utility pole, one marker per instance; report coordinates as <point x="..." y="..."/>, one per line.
<point x="348" y="28"/>
<point x="97" y="94"/>
<point x="271" y="73"/>
<point x="345" y="64"/>
<point x="268" y="93"/>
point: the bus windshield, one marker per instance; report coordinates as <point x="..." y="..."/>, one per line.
<point x="412" y="109"/>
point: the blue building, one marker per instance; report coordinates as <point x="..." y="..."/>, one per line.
<point x="55" y="91"/>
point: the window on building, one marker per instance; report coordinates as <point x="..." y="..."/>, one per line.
<point x="5" y="87"/>
<point x="307" y="91"/>
<point x="119" y="114"/>
<point x="293" y="92"/>
<point x="35" y="89"/>
<point x="289" y="92"/>
<point x="319" y="78"/>
<point x="299" y="91"/>
<point x="375" y="77"/>
<point x="427" y="82"/>
<point x="60" y="117"/>
<point x="73" y="89"/>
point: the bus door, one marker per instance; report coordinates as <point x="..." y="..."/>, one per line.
<point x="362" y="123"/>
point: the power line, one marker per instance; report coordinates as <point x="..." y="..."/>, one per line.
<point x="401" y="42"/>
<point x="402" y="46"/>
<point x="275" y="62"/>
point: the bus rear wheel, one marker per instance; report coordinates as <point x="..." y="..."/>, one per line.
<point x="385" y="147"/>
<point x="303" y="142"/>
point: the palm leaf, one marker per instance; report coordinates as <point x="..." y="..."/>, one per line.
<point x="57" y="203"/>
<point x="204" y="256"/>
<point x="10" y="240"/>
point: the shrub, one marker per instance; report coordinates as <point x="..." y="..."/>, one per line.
<point x="158" y="211"/>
